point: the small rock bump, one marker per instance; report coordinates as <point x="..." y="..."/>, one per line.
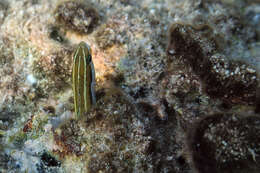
<point x="56" y="35"/>
<point x="30" y="79"/>
<point x="49" y="160"/>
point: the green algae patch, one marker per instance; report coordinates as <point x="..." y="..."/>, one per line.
<point x="18" y="139"/>
<point x="32" y="129"/>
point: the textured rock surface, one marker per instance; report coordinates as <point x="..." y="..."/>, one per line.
<point x="226" y="143"/>
<point x="172" y="77"/>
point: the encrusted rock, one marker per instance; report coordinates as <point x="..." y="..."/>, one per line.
<point x="77" y="16"/>
<point x="69" y="139"/>
<point x="231" y="81"/>
<point x="55" y="69"/>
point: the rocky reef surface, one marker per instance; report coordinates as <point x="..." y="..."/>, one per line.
<point x="177" y="86"/>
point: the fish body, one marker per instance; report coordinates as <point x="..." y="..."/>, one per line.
<point x="83" y="79"/>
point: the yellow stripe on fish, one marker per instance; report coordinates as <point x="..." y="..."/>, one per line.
<point x="83" y="79"/>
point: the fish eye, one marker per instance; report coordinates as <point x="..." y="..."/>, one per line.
<point x="89" y="59"/>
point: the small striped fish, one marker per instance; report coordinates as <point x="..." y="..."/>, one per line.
<point x="83" y="79"/>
